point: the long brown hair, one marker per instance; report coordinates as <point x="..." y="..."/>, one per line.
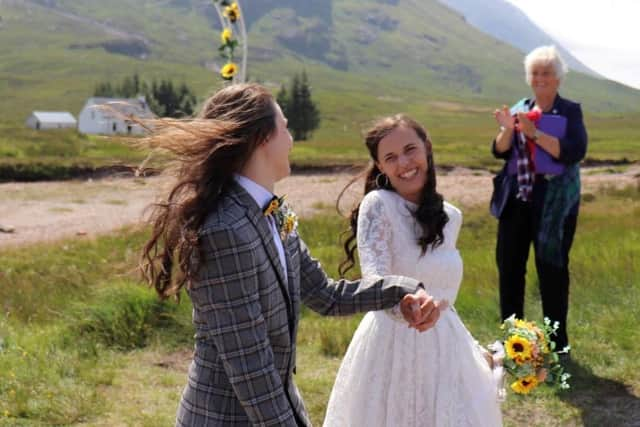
<point x="429" y="214"/>
<point x="208" y="150"/>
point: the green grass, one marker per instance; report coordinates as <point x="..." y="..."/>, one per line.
<point x="26" y="154"/>
<point x="432" y="66"/>
<point x="81" y="343"/>
<point x="460" y="138"/>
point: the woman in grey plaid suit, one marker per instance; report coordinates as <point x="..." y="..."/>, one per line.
<point x="245" y="275"/>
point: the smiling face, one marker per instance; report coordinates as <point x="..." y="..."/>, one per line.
<point x="544" y="82"/>
<point x="402" y="156"/>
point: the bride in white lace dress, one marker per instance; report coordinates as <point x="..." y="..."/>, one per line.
<point x="392" y="375"/>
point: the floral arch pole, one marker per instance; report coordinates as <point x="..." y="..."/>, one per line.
<point x="233" y="40"/>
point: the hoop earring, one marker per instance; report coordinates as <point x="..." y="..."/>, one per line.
<point x="383" y="185"/>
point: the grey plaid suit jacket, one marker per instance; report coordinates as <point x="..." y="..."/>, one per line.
<point x="246" y="318"/>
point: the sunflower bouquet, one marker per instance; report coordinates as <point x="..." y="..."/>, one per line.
<point x="527" y="353"/>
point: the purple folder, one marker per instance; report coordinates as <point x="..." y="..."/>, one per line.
<point x="551" y="124"/>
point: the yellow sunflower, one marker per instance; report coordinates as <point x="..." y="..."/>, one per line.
<point x="226" y="35"/>
<point x="229" y="70"/>
<point x="542" y="342"/>
<point x="232" y="12"/>
<point x="289" y="224"/>
<point x="273" y="205"/>
<point x="518" y="348"/>
<point x="525" y="385"/>
<point x="524" y="324"/>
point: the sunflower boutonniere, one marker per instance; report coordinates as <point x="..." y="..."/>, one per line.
<point x="285" y="218"/>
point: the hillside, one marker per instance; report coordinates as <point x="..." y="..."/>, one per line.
<point x="364" y="57"/>
<point x="507" y="23"/>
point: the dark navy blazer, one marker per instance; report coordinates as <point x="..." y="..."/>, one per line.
<point x="573" y="148"/>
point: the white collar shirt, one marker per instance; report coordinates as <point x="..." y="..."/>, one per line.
<point x="262" y="196"/>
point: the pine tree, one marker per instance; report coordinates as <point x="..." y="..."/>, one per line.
<point x="187" y="100"/>
<point x="164" y="99"/>
<point x="294" y="109"/>
<point x="309" y="114"/>
<point x="282" y="98"/>
<point x="127" y="90"/>
<point x="301" y="111"/>
<point x="137" y="89"/>
<point x="104" y="90"/>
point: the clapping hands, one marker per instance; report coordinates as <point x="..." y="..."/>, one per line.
<point x="526" y="126"/>
<point x="504" y="118"/>
<point x="421" y="310"/>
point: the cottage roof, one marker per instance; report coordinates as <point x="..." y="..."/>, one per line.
<point x="54" y="117"/>
<point x="125" y="106"/>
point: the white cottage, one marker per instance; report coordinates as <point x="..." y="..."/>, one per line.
<point x="109" y="116"/>
<point x="42" y="120"/>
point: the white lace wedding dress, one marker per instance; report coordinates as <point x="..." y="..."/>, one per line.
<point x="395" y="376"/>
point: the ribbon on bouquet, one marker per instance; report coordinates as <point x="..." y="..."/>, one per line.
<point x="497" y="354"/>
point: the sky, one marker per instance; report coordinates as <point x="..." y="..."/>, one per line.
<point x="603" y="34"/>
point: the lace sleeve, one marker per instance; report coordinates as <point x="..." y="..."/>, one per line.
<point x="374" y="236"/>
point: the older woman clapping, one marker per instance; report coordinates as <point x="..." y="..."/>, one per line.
<point x="537" y="193"/>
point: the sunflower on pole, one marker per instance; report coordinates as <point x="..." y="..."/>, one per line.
<point x="233" y="40"/>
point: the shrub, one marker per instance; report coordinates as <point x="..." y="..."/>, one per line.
<point x="124" y="317"/>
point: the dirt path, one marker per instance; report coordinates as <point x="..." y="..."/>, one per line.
<point x="49" y="211"/>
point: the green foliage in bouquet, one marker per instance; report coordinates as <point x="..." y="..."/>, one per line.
<point x="528" y="354"/>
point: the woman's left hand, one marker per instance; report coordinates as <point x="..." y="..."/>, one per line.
<point x="421" y="310"/>
<point x="526" y="126"/>
<point x="488" y="357"/>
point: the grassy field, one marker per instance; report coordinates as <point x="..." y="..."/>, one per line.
<point x="424" y="60"/>
<point x="29" y="155"/>
<point x="424" y="50"/>
<point x="460" y="132"/>
<point x="83" y="343"/>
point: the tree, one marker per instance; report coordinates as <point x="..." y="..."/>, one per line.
<point x="309" y="114"/>
<point x="299" y="108"/>
<point x="104" y="89"/>
<point x="282" y="99"/>
<point x="293" y="107"/>
<point x="164" y="99"/>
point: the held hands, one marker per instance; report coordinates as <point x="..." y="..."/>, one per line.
<point x="421" y="311"/>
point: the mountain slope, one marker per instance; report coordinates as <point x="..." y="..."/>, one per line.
<point x="359" y="54"/>
<point x="507" y="23"/>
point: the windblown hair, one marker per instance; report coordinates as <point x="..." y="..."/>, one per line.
<point x="429" y="214"/>
<point x="207" y="150"/>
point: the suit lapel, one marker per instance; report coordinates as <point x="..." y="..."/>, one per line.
<point x="264" y="230"/>
<point x="291" y="268"/>
<point x="256" y="217"/>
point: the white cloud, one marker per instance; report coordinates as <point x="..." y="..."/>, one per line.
<point x="604" y="35"/>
